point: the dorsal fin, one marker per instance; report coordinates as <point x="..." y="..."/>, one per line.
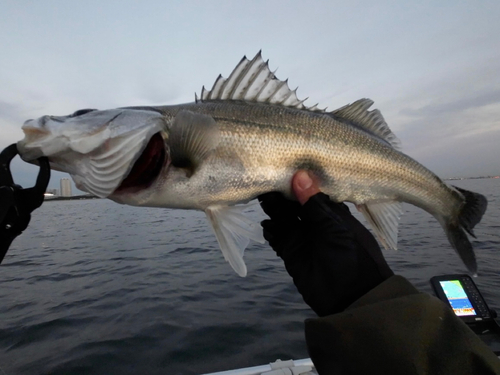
<point x="358" y="114"/>
<point x="253" y="81"/>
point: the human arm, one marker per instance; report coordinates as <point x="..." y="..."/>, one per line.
<point x="371" y="322"/>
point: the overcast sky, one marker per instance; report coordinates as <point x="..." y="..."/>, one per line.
<point x="432" y="67"/>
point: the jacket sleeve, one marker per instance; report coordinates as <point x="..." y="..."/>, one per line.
<point x="394" y="329"/>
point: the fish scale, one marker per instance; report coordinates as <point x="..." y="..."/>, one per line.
<point x="247" y="136"/>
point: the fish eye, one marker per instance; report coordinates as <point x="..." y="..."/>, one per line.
<point x="82" y="112"/>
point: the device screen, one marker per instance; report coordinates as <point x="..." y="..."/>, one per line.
<point x="457" y="297"/>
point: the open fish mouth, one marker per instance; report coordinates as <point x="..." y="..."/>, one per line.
<point x="120" y="150"/>
<point x="146" y="168"/>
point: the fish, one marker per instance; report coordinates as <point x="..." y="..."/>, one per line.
<point x="247" y="136"/>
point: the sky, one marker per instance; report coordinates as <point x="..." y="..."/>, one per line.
<point x="431" y="67"/>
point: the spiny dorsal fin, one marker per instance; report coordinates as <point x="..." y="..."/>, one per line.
<point x="191" y="138"/>
<point x="253" y="81"/>
<point x="358" y="114"/>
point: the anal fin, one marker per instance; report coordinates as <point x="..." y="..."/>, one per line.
<point x="384" y="219"/>
<point x="233" y="231"/>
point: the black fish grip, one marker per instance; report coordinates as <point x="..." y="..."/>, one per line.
<point x="16" y="203"/>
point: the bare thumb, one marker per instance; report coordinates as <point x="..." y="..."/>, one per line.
<point x="304" y="187"/>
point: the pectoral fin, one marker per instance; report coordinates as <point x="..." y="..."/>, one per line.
<point x="191" y="139"/>
<point x="233" y="231"/>
<point x="384" y="219"/>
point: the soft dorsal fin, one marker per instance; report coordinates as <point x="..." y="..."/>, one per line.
<point x="191" y="138"/>
<point x="253" y="81"/>
<point x="358" y="114"/>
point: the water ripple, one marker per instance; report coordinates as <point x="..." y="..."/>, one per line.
<point x="98" y="288"/>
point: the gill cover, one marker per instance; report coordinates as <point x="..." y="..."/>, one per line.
<point x="98" y="149"/>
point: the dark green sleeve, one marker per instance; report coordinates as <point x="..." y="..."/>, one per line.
<point x="394" y="329"/>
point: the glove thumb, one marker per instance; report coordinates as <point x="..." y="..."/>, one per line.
<point x="304" y="186"/>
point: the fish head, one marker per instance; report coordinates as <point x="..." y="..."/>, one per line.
<point x="103" y="151"/>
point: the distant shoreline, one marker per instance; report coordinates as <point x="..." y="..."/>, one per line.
<point x="88" y="196"/>
<point x="72" y="198"/>
<point x="469" y="178"/>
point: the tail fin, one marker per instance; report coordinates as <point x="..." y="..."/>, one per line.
<point x="473" y="211"/>
<point x="470" y="214"/>
<point x="462" y="246"/>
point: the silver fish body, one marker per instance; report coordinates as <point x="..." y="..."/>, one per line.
<point x="240" y="141"/>
<point x="261" y="146"/>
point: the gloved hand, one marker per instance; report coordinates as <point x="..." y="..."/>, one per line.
<point x="16" y="203"/>
<point x="332" y="258"/>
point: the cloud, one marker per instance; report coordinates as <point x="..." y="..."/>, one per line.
<point x="431" y="69"/>
<point x="478" y="100"/>
<point x="9" y="112"/>
<point x="461" y="142"/>
<point x="11" y="119"/>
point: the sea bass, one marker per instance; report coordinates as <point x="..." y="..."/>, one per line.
<point x="247" y="136"/>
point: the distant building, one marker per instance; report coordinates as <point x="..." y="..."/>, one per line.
<point x="52" y="192"/>
<point x="65" y="187"/>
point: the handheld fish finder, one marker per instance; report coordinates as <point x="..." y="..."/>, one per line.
<point x="463" y="296"/>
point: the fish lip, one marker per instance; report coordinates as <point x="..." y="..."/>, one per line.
<point x="146" y="169"/>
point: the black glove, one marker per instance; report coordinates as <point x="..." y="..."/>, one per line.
<point x="16" y="203"/>
<point x="332" y="258"/>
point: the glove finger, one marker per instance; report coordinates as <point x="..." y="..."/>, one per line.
<point x="277" y="207"/>
<point x="6" y="157"/>
<point x="43" y="178"/>
<point x="276" y="230"/>
<point x="320" y="209"/>
<point x="268" y="230"/>
<point x="323" y="208"/>
<point x="282" y="238"/>
<point x="6" y="201"/>
<point x="368" y="242"/>
<point x="320" y="212"/>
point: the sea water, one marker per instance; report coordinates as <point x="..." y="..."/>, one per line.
<point x="93" y="287"/>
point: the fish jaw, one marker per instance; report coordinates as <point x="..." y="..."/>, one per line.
<point x="99" y="149"/>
